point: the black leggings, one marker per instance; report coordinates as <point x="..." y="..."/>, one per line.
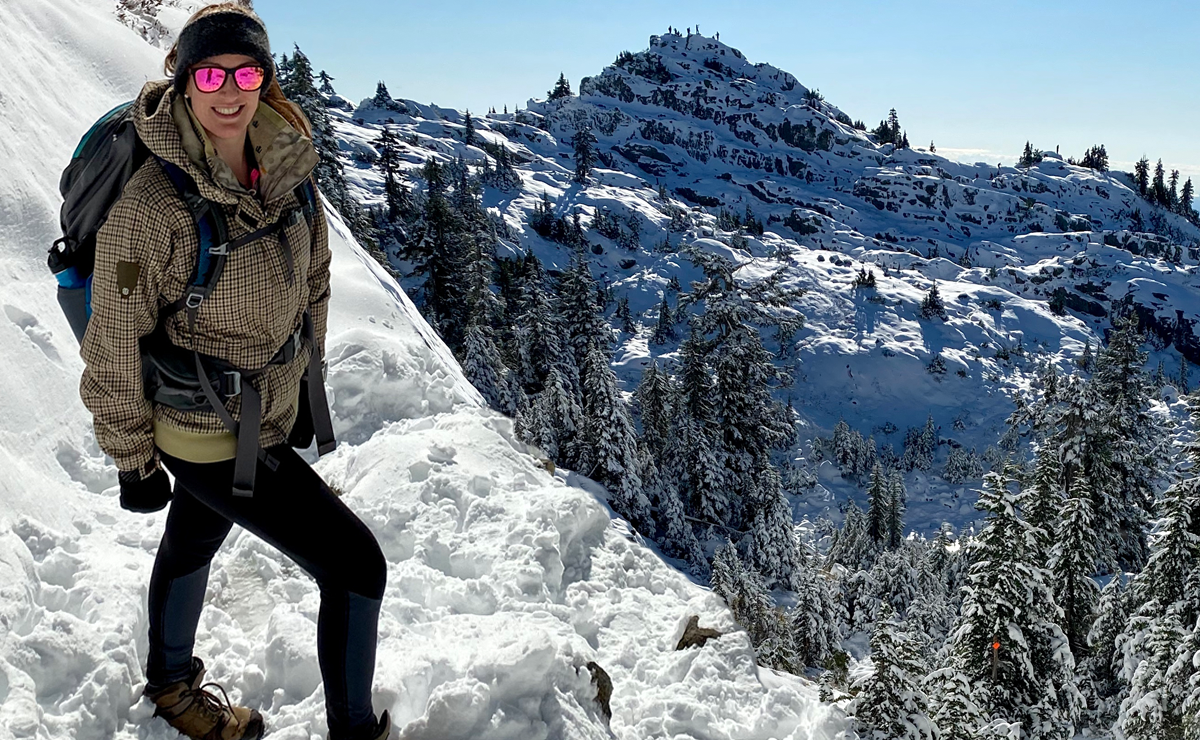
<point x="293" y="510"/>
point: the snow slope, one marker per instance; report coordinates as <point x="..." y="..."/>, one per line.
<point x="693" y="117"/>
<point x="504" y="581"/>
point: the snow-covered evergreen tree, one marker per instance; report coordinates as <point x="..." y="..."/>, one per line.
<point x="891" y="703"/>
<point x="814" y="618"/>
<point x="774" y="550"/>
<point x="1072" y="563"/>
<point x="611" y="441"/>
<point x="962" y="465"/>
<point x="1029" y="676"/>
<point x="585" y="153"/>
<point x="852" y="543"/>
<point x="953" y="708"/>
<point x="1157" y="663"/>
<point x="664" y="328"/>
<point x="1042" y="498"/>
<point x="1138" y="454"/>
<point x="695" y="451"/>
<point x="932" y="305"/>
<point x="898" y="498"/>
<point x="879" y="507"/>
<point x="678" y="540"/>
<point x="1100" y="671"/>
<point x="920" y="445"/>
<point x="1084" y="442"/>
<point x="654" y="397"/>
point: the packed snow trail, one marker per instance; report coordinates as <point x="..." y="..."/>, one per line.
<point x="504" y="581"/>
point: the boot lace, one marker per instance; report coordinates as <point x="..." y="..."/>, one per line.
<point x="210" y="704"/>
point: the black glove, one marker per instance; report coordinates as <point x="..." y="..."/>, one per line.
<point x="144" y="495"/>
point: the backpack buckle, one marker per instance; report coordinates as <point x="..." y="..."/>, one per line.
<point x="231" y="383"/>
<point x="194" y="299"/>
<point x="293" y="217"/>
<point x="219" y="250"/>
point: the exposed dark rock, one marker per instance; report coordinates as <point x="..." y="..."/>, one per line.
<point x="603" y="686"/>
<point x="694" y="635"/>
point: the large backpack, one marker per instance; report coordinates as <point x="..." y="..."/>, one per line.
<point x="105" y="160"/>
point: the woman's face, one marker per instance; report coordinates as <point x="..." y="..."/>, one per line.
<point x="226" y="113"/>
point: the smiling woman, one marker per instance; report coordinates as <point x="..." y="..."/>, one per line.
<point x="232" y="166"/>
<point x="223" y="84"/>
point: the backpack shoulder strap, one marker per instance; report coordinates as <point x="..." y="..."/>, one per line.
<point x="212" y="230"/>
<point x="306" y="195"/>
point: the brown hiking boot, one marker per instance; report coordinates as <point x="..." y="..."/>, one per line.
<point x="198" y="713"/>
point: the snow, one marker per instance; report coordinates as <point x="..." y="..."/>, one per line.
<point x="504" y="581"/>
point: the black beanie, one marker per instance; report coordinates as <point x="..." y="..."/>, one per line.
<point x="226" y="32"/>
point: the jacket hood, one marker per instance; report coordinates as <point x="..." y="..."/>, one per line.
<point x="169" y="129"/>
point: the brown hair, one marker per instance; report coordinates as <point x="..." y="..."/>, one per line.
<point x="273" y="96"/>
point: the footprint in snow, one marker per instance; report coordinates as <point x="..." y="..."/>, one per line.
<point x="40" y="336"/>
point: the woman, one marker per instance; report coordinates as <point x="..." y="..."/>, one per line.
<point x="223" y="120"/>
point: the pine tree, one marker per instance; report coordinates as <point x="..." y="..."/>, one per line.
<point x="625" y="317"/>
<point x="1100" y="669"/>
<point x="562" y="89"/>
<point x="610" y="438"/>
<point x="664" y="329"/>
<point x="1142" y="175"/>
<point x="1185" y="200"/>
<point x="299" y="88"/>
<point x="891" y="704"/>
<point x="1029" y="157"/>
<point x="954" y="710"/>
<point x="1095" y="158"/>
<point x="678" y="538"/>
<point x="774" y="550"/>
<point x="1072" y="562"/>
<point x="383" y="99"/>
<point x="470" y="138"/>
<point x="1158" y="189"/>
<point x="654" y="398"/>
<point x="931" y="304"/>
<point x="751" y="422"/>
<point x="585" y="153"/>
<point x="879" y="508"/>
<point x="1008" y="643"/>
<point x="440" y="256"/>
<point x="1042" y="499"/>
<point x="395" y="195"/>
<point x="1136" y="457"/>
<point x="1084" y="442"/>
<point x="851" y="545"/>
<point x="694" y="450"/>
<point x="481" y="361"/>
<point x="898" y="497"/>
<point x="326" y="83"/>
<point x="814" y="625"/>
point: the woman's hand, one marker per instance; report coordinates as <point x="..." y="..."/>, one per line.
<point x="144" y="495"/>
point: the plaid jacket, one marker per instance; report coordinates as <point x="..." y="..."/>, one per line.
<point x="145" y="253"/>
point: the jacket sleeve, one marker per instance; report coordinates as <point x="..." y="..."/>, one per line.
<point x="131" y="250"/>
<point x="318" y="276"/>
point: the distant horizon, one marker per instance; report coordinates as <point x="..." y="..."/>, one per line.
<point x="978" y="98"/>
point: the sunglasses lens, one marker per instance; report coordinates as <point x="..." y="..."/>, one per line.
<point x="249" y="78"/>
<point x="210" y="79"/>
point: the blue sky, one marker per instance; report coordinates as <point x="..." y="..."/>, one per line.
<point x="976" y="78"/>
